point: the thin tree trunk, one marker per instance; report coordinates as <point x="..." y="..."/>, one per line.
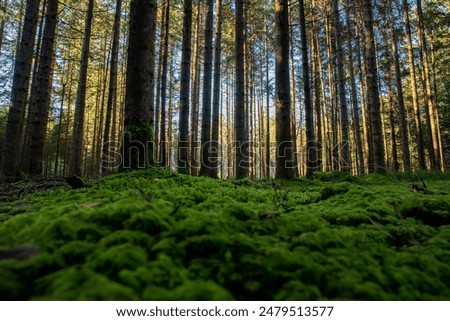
<point x="311" y="146"/>
<point x="163" y="134"/>
<point x="429" y="99"/>
<point x="183" y="140"/>
<point x="205" y="168"/>
<point x="415" y="95"/>
<point x="241" y="139"/>
<point x="354" y="98"/>
<point x="345" y="159"/>
<point x="78" y="125"/>
<point x="406" y="156"/>
<point x="112" y="91"/>
<point x="216" y="92"/>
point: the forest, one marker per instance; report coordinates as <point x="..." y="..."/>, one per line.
<point x="224" y="150"/>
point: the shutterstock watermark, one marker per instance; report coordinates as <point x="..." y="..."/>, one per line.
<point x="308" y="155"/>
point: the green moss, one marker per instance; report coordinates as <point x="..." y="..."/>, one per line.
<point x="155" y="235"/>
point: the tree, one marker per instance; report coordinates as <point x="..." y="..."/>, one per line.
<point x="22" y="69"/>
<point x="80" y="105"/>
<point x="240" y="119"/>
<point x="205" y="168"/>
<point x="373" y="98"/>
<point x="311" y="146"/>
<point x="112" y="92"/>
<point x="415" y="94"/>
<point x="345" y="161"/>
<point x="400" y="98"/>
<point x="35" y="133"/>
<point x="283" y="91"/>
<point x="183" y="137"/>
<point x="164" y="72"/>
<point x="216" y="92"/>
<point x="137" y="149"/>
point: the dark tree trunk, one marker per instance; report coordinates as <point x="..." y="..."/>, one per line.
<point x="283" y="92"/>
<point x="240" y="119"/>
<point x="78" y="124"/>
<point x="35" y="134"/>
<point x="183" y="139"/>
<point x="137" y="149"/>
<point x="215" y="163"/>
<point x="21" y="81"/>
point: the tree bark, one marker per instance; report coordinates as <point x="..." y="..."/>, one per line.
<point x="373" y="98"/>
<point x="78" y="125"/>
<point x="112" y="91"/>
<point x="21" y="81"/>
<point x="137" y="149"/>
<point x="183" y="139"/>
<point x="215" y="163"/>
<point x="415" y="95"/>
<point x="35" y="134"/>
<point x="205" y="168"/>
<point x="240" y="120"/>
<point x="282" y="91"/>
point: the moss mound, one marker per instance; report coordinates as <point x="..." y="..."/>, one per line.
<point x="155" y="235"/>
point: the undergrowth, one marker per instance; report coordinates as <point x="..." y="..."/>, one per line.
<point x="155" y="235"/>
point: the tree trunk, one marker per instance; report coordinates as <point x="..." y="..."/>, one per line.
<point x="415" y="95"/>
<point x="283" y="92"/>
<point x="311" y="146"/>
<point x="21" y="81"/>
<point x="35" y="134"/>
<point x="165" y="57"/>
<point x="429" y="99"/>
<point x="112" y="91"/>
<point x="183" y="139"/>
<point x="240" y="120"/>
<point x="406" y="156"/>
<point x="354" y="99"/>
<point x="205" y="168"/>
<point x="215" y="163"/>
<point x="78" y="124"/>
<point x="373" y="98"/>
<point x="137" y="142"/>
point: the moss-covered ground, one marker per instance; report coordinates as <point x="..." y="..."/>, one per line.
<point x="154" y="235"/>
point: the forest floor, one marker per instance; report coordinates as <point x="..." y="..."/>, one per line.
<point x="155" y="235"/>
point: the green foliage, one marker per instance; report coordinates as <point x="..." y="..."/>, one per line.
<point x="155" y="235"/>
